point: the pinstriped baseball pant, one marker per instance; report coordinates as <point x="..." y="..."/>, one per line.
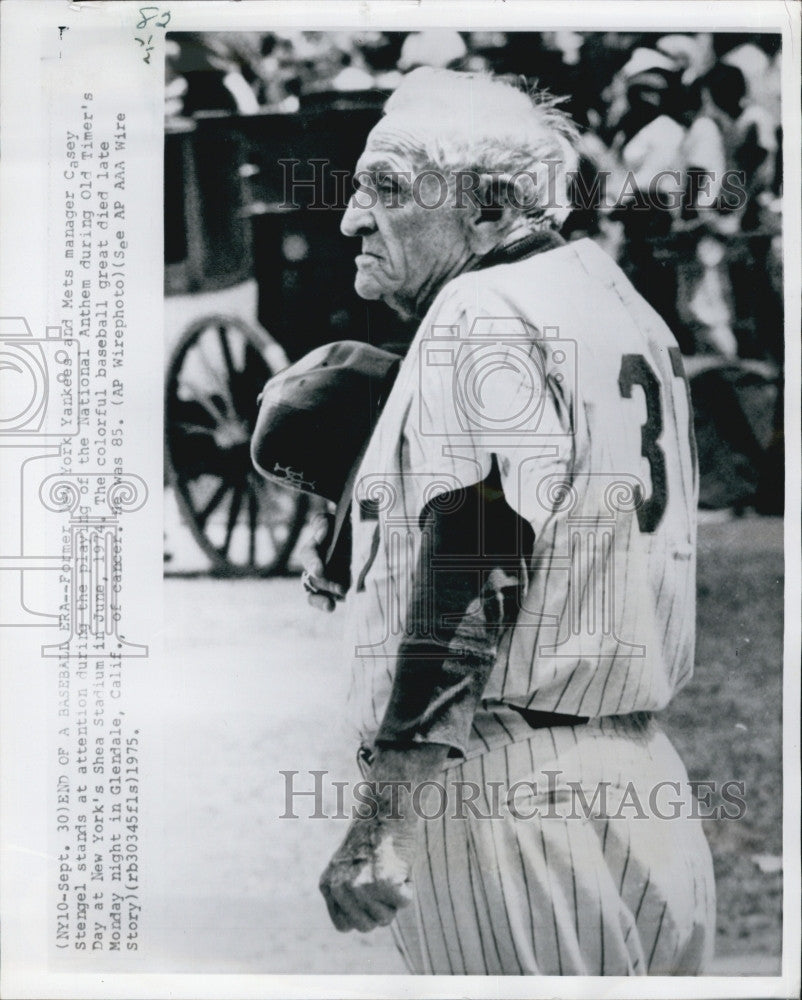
<point x="619" y="891"/>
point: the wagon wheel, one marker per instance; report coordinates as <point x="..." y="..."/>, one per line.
<point x="246" y="525"/>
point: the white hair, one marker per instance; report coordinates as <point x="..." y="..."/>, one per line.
<point x="518" y="141"/>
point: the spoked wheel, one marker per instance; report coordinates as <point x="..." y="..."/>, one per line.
<point x="246" y="525"/>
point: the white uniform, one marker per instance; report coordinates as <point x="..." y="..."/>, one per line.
<point x="555" y="369"/>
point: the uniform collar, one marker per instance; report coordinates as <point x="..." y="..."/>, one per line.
<point x="525" y="246"/>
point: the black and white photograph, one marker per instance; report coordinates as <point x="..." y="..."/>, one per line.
<point x="417" y="524"/>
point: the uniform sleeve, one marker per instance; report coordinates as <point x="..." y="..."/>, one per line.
<point x="470" y="579"/>
<point x="477" y="541"/>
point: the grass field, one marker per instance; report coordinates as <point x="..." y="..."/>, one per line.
<point x="727" y="723"/>
<point x="253" y="685"/>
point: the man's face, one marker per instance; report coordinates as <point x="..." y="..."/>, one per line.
<point x="409" y="250"/>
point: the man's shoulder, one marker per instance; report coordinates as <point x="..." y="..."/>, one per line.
<point x="543" y="276"/>
<point x="576" y="288"/>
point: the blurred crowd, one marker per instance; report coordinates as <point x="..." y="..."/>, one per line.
<point x="679" y="174"/>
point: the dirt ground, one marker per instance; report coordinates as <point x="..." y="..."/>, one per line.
<point x="256" y="691"/>
<point x="252" y="687"/>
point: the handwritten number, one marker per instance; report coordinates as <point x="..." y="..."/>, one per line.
<point x="636" y="371"/>
<point x="148" y="14"/>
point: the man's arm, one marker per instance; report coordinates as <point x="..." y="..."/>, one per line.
<point x="467" y="590"/>
<point x="472" y="571"/>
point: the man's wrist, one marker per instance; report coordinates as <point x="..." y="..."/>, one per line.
<point x="408" y="762"/>
<point x="396" y="774"/>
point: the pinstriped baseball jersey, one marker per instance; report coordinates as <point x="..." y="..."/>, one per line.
<point x="555" y="369"/>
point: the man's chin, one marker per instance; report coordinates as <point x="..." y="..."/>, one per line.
<point x="366" y="288"/>
<point x="371" y="291"/>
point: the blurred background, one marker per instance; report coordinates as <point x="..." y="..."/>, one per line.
<point x="257" y="273"/>
<point x="252" y="683"/>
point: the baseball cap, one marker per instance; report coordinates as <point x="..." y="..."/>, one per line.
<point x="316" y="416"/>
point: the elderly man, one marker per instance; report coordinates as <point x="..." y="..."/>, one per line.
<point x="522" y="574"/>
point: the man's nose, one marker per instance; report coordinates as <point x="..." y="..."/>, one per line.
<point x="357" y="220"/>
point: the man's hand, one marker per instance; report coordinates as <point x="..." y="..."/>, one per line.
<point x="369" y="878"/>
<point x="322" y="593"/>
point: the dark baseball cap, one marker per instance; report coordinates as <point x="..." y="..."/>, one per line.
<point x="316" y="416"/>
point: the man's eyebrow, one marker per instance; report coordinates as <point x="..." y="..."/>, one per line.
<point x="373" y="168"/>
